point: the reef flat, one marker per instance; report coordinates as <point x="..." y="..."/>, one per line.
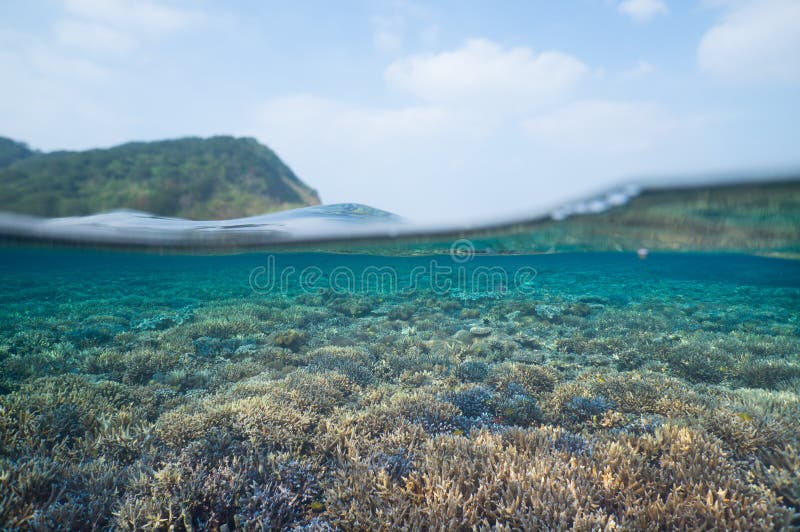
<point x="203" y="393"/>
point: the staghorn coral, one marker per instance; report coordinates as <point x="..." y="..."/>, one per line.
<point x="472" y="371"/>
<point x="472" y="402"/>
<point x="246" y="489"/>
<point x="353" y="363"/>
<point x="765" y="373"/>
<point x="66" y="410"/>
<point x="264" y="420"/>
<point x="630" y="409"/>
<point x="583" y="408"/>
<point x="138" y="366"/>
<point x="631" y="392"/>
<point x="397" y="464"/>
<point x="515" y="407"/>
<point x="318" y="392"/>
<point x="286" y="500"/>
<point x="352" y="306"/>
<point x="408" y="357"/>
<point x="74" y="507"/>
<point x="780" y="470"/>
<point x="523" y="479"/>
<point x="536" y="381"/>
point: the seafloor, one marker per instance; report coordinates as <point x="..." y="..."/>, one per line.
<point x="152" y="392"/>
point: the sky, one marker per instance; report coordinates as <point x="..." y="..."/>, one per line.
<point x="446" y="110"/>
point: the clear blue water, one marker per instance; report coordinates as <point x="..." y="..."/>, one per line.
<point x="440" y="380"/>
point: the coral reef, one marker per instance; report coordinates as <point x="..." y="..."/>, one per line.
<point x="188" y="403"/>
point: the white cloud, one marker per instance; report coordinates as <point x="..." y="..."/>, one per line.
<point x="414" y="153"/>
<point x="754" y="41"/>
<point x="60" y="87"/>
<point x="93" y="36"/>
<point x="403" y="159"/>
<point x="602" y="126"/>
<point x="143" y="15"/>
<point x="642" y="10"/>
<point x="47" y="101"/>
<point x="437" y="163"/>
<point x="118" y="26"/>
<point x="486" y="127"/>
<point x="308" y="117"/>
<point x="484" y="74"/>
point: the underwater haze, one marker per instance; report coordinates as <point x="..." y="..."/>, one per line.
<point x="630" y="361"/>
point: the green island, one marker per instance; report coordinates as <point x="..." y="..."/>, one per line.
<point x="215" y="178"/>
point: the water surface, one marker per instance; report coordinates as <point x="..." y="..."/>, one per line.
<point x="632" y="363"/>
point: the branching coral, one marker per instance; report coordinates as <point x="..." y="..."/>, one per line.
<point x="584" y="406"/>
<point x="536" y="381"/>
<point x="355" y="364"/>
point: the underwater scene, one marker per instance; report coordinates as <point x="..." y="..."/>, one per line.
<point x="630" y="362"/>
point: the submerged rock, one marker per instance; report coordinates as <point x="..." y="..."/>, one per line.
<point x="158" y="323"/>
<point x="161" y="322"/>
<point x="480" y="331"/>
<point x="463" y="336"/>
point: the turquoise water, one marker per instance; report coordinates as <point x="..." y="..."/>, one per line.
<point x="446" y="382"/>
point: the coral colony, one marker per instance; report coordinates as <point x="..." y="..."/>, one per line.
<point x="164" y="393"/>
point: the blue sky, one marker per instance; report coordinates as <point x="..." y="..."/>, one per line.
<point x="442" y="110"/>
